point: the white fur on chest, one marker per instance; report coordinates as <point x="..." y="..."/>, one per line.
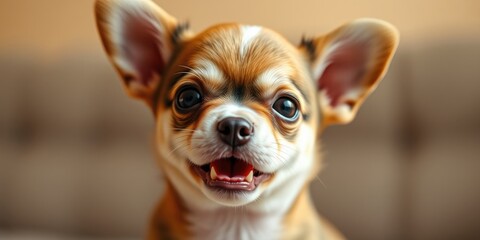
<point x="235" y="223"/>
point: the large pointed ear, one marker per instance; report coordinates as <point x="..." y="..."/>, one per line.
<point x="347" y="65"/>
<point x="139" y="38"/>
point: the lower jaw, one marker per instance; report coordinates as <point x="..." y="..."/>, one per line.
<point x="230" y="186"/>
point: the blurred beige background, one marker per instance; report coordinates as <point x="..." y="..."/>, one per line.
<point x="76" y="158"/>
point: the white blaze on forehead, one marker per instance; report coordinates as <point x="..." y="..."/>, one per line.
<point x="206" y="70"/>
<point x="248" y="34"/>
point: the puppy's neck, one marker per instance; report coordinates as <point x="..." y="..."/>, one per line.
<point x="235" y="223"/>
<point x="174" y="220"/>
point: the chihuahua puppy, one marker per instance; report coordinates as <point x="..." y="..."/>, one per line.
<point x="239" y="111"/>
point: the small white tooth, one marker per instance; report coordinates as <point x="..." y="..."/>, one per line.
<point x="213" y="173"/>
<point x="249" y="177"/>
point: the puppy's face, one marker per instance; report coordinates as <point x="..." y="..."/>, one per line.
<point x="236" y="112"/>
<point x="238" y="108"/>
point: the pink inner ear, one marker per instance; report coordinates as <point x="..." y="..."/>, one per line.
<point x="344" y="72"/>
<point x="142" y="48"/>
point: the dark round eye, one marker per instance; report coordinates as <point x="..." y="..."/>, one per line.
<point x="286" y="107"/>
<point x="188" y="98"/>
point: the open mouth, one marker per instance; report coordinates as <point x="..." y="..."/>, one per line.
<point x="231" y="174"/>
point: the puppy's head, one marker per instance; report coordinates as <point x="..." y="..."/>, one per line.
<point x="238" y="108"/>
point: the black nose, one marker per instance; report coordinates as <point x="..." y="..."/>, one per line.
<point x="235" y="131"/>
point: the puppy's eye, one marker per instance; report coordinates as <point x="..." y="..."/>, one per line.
<point x="286" y="107"/>
<point x="188" y="98"/>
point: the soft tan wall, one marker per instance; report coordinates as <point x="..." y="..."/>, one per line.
<point x="56" y="26"/>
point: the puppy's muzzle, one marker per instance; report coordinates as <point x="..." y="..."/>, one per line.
<point x="235" y="131"/>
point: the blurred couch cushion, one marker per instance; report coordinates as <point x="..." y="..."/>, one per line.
<point x="76" y="96"/>
<point x="445" y="192"/>
<point x="76" y="155"/>
<point x="360" y="187"/>
<point x="16" y="70"/>
<point x="68" y="187"/>
<point x="443" y="85"/>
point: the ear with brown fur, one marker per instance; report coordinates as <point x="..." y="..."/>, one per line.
<point x="347" y="65"/>
<point x="139" y="38"/>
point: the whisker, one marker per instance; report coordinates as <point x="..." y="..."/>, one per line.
<point x="321" y="182"/>
<point x="194" y="72"/>
<point x="176" y="148"/>
<point x="185" y="130"/>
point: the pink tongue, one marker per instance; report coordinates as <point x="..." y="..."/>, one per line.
<point x="231" y="168"/>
